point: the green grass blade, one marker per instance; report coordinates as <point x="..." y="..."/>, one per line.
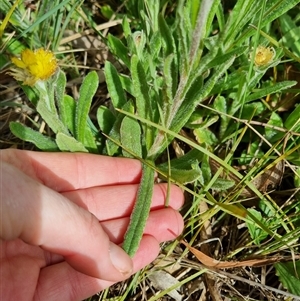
<point x="32" y="27"/>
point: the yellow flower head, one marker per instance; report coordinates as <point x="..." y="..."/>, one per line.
<point x="33" y="66"/>
<point x="264" y="56"/>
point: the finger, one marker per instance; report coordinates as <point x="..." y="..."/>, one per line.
<point x="164" y="224"/>
<point x="42" y="217"/>
<point x="70" y="171"/>
<point x="62" y="282"/>
<point x="122" y="199"/>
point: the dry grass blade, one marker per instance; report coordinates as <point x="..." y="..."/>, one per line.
<point x="213" y="263"/>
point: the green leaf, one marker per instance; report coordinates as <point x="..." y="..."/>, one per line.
<point x="131" y="137"/>
<point x="118" y="49"/>
<point x="106" y="11"/>
<point x="114" y="85"/>
<point x="274" y="9"/>
<point x="126" y="84"/>
<point x="140" y="212"/>
<point x="196" y="94"/>
<point x="288" y="277"/>
<point x="170" y="83"/>
<point x="220" y="104"/>
<point x="27" y="134"/>
<point x="155" y="43"/>
<point x="69" y="144"/>
<point x="184" y="169"/>
<point x="105" y="118"/>
<point x="68" y="112"/>
<point x="252" y="109"/>
<point x="242" y="12"/>
<point x="220" y="59"/>
<point x="126" y="27"/>
<point x="205" y="136"/>
<point x="222" y="184"/>
<point x="90" y="140"/>
<point x="141" y="88"/>
<point x="51" y="118"/>
<point x="136" y="43"/>
<point x="144" y="104"/>
<point x="86" y="93"/>
<point x="184" y="31"/>
<point x="293" y="122"/>
<point x="59" y="93"/>
<point x="278" y="87"/>
<point x="270" y="132"/>
<point x="256" y="233"/>
<point x="114" y="133"/>
<point x="297" y="177"/>
<point x="33" y="26"/>
<point x="168" y="43"/>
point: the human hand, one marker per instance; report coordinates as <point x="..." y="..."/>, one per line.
<point x="53" y="246"/>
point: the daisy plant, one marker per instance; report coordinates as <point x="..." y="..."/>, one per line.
<point x="172" y="65"/>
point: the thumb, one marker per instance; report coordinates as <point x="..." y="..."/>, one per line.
<point x="43" y="217"/>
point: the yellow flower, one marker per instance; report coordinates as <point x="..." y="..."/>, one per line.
<point x="33" y="66"/>
<point x="264" y="55"/>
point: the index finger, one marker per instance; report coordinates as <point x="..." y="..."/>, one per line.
<point x="70" y="171"/>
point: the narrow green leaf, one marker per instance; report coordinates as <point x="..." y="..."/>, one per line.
<point x="168" y="43"/>
<point x="27" y="134"/>
<point x="293" y="122"/>
<point x="69" y="144"/>
<point x="196" y="94"/>
<point x="155" y="43"/>
<point x="118" y="49"/>
<point x="220" y="59"/>
<point x="131" y="137"/>
<point x="169" y="87"/>
<point x="141" y="88"/>
<point x="86" y="93"/>
<point x="68" y="112"/>
<point x="140" y="212"/>
<point x="114" y="85"/>
<point x="184" y="31"/>
<point x="126" y="27"/>
<point x="42" y="18"/>
<point x="242" y="12"/>
<point x="59" y="94"/>
<point x="145" y="107"/>
<point x="274" y="9"/>
<point x="271" y="90"/>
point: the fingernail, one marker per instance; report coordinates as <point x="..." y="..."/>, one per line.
<point x="120" y="259"/>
